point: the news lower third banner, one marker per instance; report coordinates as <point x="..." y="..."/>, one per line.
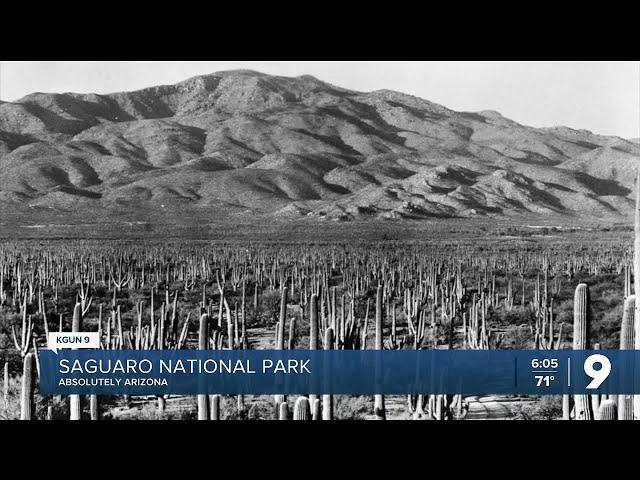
<point x="354" y="372"/>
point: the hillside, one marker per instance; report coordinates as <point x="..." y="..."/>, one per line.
<point x="241" y="144"/>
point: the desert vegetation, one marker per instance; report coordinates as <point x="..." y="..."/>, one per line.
<point x="549" y="294"/>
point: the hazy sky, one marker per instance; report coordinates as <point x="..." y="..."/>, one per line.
<point x="603" y="97"/>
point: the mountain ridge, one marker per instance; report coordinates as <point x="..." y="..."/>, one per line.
<point x="241" y="142"/>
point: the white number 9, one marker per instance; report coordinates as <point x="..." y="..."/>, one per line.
<point x="599" y="375"/>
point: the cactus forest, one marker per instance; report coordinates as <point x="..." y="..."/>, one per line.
<point x="563" y="291"/>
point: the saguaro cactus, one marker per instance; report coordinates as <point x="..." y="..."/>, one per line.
<point x="607" y="410"/>
<point x="283" y="411"/>
<point x="596" y="397"/>
<point x="94" y="407"/>
<point x="203" y="336"/>
<point x="313" y="323"/>
<point x="379" y="338"/>
<point x="280" y="327"/>
<point x="283" y="318"/>
<point x="316" y="409"/>
<point x="327" y="400"/>
<point x="5" y="387"/>
<point x="378" y="404"/>
<point x="416" y="406"/>
<point x="583" y="410"/>
<point x="75" y="405"/>
<point x="625" y="402"/>
<point x="313" y="332"/>
<point x="302" y="409"/>
<point x="438" y="407"/>
<point x="26" y="332"/>
<point x="255" y="299"/>
<point x="27" y="405"/>
<point x="214" y="410"/>
<point x="292" y="333"/>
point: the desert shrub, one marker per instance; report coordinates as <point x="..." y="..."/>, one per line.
<point x="59" y="407"/>
<point x="8" y="319"/>
<point x="606" y="331"/>
<point x="517" y="316"/>
<point x="563" y="311"/>
<point x="229" y="408"/>
<point x="546" y="407"/>
<point x="135" y="297"/>
<point x="100" y="292"/>
<point x="268" y="310"/>
<point x="149" y="411"/>
<point x="352" y="407"/>
<point x="261" y="409"/>
<point x="10" y="410"/>
<point x="518" y="337"/>
<point x="302" y="340"/>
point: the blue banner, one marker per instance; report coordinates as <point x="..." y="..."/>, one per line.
<point x="356" y="372"/>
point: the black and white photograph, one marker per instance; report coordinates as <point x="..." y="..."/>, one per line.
<point x="340" y="240"/>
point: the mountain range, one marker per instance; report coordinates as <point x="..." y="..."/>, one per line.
<point x="242" y="144"/>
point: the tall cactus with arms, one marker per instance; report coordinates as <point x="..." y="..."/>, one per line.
<point x="583" y="409"/>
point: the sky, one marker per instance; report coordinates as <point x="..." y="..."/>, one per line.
<point x="603" y="97"/>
